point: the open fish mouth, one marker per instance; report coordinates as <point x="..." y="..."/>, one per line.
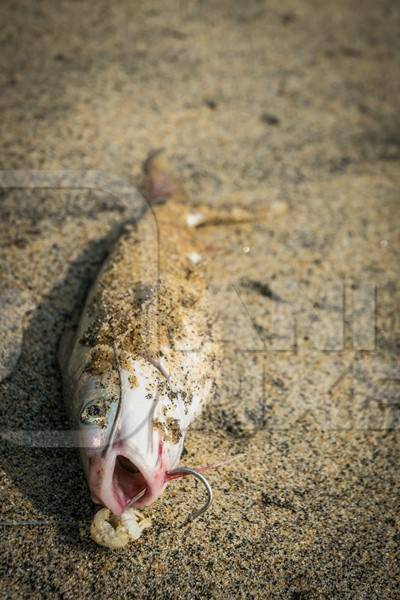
<point x="119" y="481"/>
<point x="129" y="484"/>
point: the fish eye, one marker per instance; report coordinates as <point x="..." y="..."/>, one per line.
<point x="93" y="413"/>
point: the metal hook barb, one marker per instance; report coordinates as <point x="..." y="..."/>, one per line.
<point x="200" y="511"/>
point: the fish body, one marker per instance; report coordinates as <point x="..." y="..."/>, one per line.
<point x="142" y="361"/>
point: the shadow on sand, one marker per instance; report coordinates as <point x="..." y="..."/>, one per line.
<point x="50" y="480"/>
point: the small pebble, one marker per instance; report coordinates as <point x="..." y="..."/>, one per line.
<point x="194" y="219"/>
<point x="194" y="258"/>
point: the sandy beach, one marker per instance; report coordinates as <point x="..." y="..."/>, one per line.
<point x="286" y="109"/>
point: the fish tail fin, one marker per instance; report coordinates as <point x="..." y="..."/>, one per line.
<point x="159" y="182"/>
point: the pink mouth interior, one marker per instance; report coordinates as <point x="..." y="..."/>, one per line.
<point x="128" y="481"/>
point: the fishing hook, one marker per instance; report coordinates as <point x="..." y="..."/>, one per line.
<point x="188" y="471"/>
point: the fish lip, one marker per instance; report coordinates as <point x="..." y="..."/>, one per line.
<point x="102" y="484"/>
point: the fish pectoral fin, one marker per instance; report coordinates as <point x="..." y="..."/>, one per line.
<point x="66" y="344"/>
<point x="68" y="338"/>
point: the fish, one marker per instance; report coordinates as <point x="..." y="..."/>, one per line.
<point x="143" y="359"/>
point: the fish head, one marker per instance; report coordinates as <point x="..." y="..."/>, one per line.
<point x="130" y="435"/>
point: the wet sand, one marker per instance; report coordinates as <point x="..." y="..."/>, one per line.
<point x="288" y="109"/>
